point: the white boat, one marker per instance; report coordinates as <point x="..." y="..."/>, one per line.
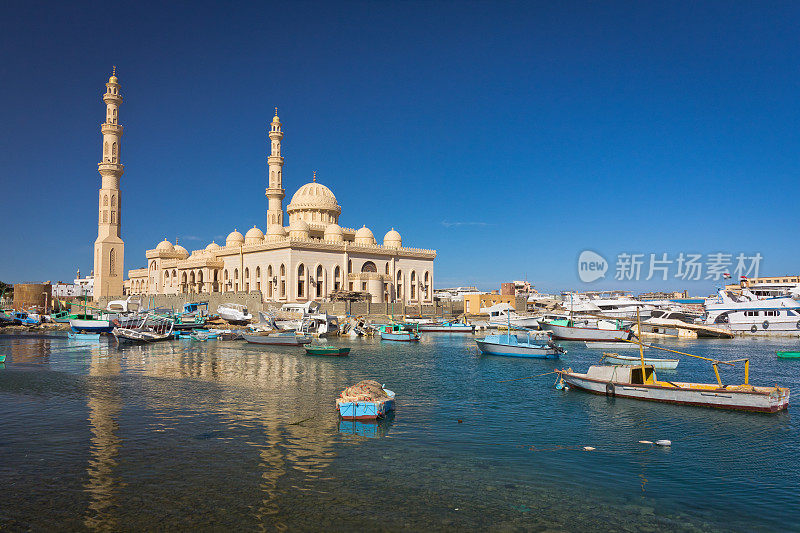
<point x="748" y="314"/>
<point x="500" y="315"/>
<point x="447" y="327"/>
<point x="641" y="384"/>
<point x="234" y="313"/>
<point x="150" y="329"/>
<point x="510" y="346"/>
<point x="287" y="338"/>
<point x="658" y="364"/>
<point x="612" y="345"/>
<point x="569" y="331"/>
<point x="91" y="325"/>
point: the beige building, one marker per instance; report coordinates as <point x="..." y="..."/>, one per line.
<point x="306" y="260"/>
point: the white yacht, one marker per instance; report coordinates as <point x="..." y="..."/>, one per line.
<point x="501" y="314"/>
<point x="748" y="314"/>
<point x="234" y="313"/>
<point x="607" y="304"/>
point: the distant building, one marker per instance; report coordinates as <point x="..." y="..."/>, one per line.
<point x="455" y="294"/>
<point x="79" y="287"/>
<point x="656" y="295"/>
<point x="767" y="286"/>
<point x="473" y="303"/>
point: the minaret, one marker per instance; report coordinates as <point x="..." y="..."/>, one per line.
<point x="109" y="249"/>
<point x="275" y="192"/>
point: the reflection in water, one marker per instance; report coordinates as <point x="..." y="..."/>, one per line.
<point x="104" y="406"/>
<point x="367" y="428"/>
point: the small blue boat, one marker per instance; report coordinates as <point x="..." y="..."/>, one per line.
<point x="21" y="317"/>
<point x="510" y="346"/>
<point x="365" y="409"/>
<point x="398" y="332"/>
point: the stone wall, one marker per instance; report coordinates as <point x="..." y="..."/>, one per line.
<point x="251" y="300"/>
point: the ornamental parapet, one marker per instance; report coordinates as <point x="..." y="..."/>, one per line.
<point x="105" y="166"/>
<point x="105" y="127"/>
<point x="137" y="273"/>
<point x="366" y="276"/>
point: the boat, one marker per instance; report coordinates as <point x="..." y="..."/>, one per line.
<point x="317" y="349"/>
<point x="640" y="383"/>
<point x="500" y="314"/>
<point x="612" y="345"/>
<point x="655" y="362"/>
<point x="287" y="338"/>
<point x="94" y="325"/>
<point x="366" y="400"/>
<point x="234" y="313"/>
<point x="25" y="318"/>
<point x="750" y="315"/>
<point x="447" y="327"/>
<point x="785" y="354"/>
<point x="510" y="345"/>
<point x="569" y="330"/>
<point x="2" y="358"/>
<point x="151" y="329"/>
<point x="83" y="337"/>
<point x="398" y="332"/>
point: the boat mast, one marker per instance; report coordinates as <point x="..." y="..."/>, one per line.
<point x="639" y="337"/>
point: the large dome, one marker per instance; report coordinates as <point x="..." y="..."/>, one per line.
<point x="314" y="203"/>
<point x="234" y="238"/>
<point x="165" y="246"/>
<point x="184" y="253"/>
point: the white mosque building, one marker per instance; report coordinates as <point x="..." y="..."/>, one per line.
<point x="307" y="260"/>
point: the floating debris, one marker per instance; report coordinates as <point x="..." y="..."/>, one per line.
<point x="664" y="442"/>
<point x="645" y="442"/>
<point x="588" y="448"/>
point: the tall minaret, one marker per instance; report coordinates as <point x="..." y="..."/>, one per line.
<point x="109" y="249"/>
<point x="275" y="192"/>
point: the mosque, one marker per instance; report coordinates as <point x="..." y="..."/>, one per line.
<point x="307" y="260"/>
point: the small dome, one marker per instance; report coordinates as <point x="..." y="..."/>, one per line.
<point x="184" y="253"/>
<point x="234" y="238"/>
<point x="298" y="229"/>
<point x="392" y="239"/>
<point x="165" y="246"/>
<point x="333" y="233"/>
<point x="112" y="79"/>
<point x="213" y="246"/>
<point x="364" y="236"/>
<point x="253" y="236"/>
<point x="275" y="232"/>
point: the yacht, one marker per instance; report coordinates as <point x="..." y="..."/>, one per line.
<point x="749" y="314"/>
<point x="502" y="314"/>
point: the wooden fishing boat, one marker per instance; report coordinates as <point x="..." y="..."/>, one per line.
<point x="785" y="354"/>
<point x="316" y="349"/>
<point x="640" y="383"/>
<point x="398" y="332"/>
<point x="367" y="400"/>
<point x="655" y="362"/>
<point x="447" y="327"/>
<point x="151" y="329"/>
<point x="91" y="324"/>
<point x="288" y="338"/>
<point x="509" y="345"/>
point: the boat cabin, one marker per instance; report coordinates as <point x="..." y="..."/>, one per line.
<point x="623" y="374"/>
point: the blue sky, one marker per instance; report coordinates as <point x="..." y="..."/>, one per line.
<point x="508" y="136"/>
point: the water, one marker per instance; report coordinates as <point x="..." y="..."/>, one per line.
<point x="229" y="435"/>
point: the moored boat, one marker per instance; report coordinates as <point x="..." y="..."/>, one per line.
<point x="398" y="332"/>
<point x="510" y="346"/>
<point x="91" y="325"/>
<point x="569" y="331"/>
<point x="655" y="362"/>
<point x="366" y="400"/>
<point x="787" y="354"/>
<point x="234" y="313"/>
<point x="316" y="349"/>
<point x="447" y="327"/>
<point x="611" y="345"/>
<point x="288" y="338"/>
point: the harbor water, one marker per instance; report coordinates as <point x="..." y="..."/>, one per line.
<point x="223" y="434"/>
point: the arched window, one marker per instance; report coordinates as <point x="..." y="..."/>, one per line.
<point x="413" y="284"/>
<point x="349" y="266"/>
<point x="283" y="281"/>
<point x="399" y="285"/>
<point x="337" y="278"/>
<point x="258" y="278"/>
<point x="369" y="266"/>
<point x="320" y="282"/>
<point x="105" y="200"/>
<point x="114" y="152"/>
<point x="301" y="281"/>
<point x="427" y="282"/>
<point x="113" y="217"/>
<point x="112" y="262"/>
<point x="199" y="281"/>
<point x="246" y="283"/>
<point x="235" y="280"/>
<point x="192" y="280"/>
<point x="105" y="150"/>
<point x="387" y="267"/>
<point x="269" y="281"/>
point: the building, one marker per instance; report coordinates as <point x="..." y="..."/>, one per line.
<point x="309" y="259"/>
<point x="768" y="286"/>
<point x="109" y="250"/>
<point x="473" y="303"/>
<point x="79" y="287"/>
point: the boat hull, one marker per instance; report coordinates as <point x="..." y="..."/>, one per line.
<point x="403" y="336"/>
<point x="520" y="322"/>
<point x="714" y="398"/>
<point x="95" y="326"/>
<point x="443" y="328"/>
<point x="568" y="333"/>
<point x="789" y="355"/>
<point x="612" y="345"/>
<point x="366" y="410"/>
<point x="534" y="352"/>
<point x="335" y="351"/>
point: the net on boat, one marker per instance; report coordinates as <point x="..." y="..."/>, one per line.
<point x="364" y="391"/>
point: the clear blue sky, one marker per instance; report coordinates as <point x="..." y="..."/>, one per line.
<point x="508" y="136"/>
